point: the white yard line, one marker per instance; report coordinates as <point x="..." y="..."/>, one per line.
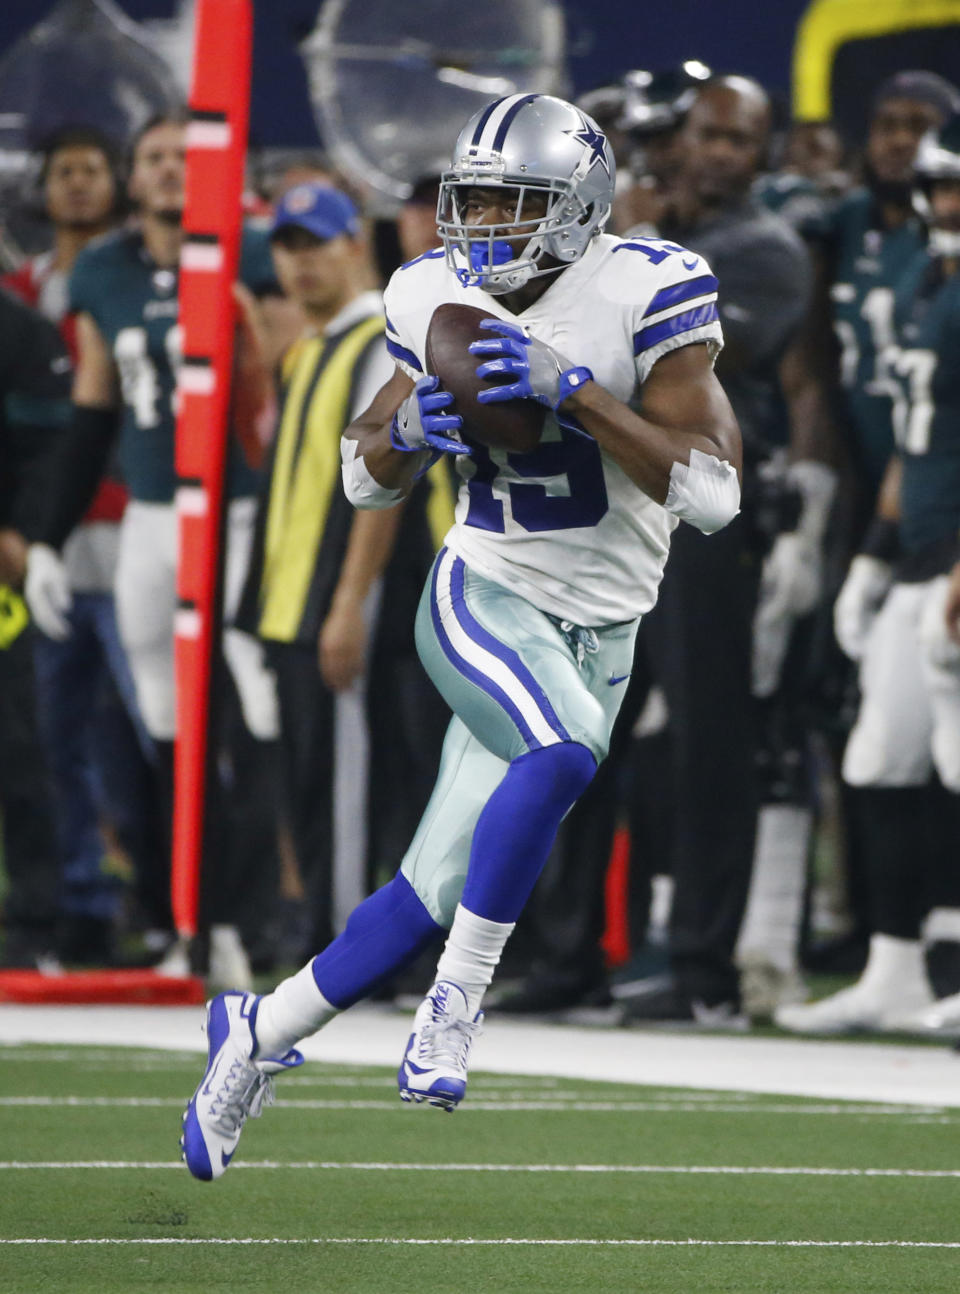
<point x="680" y="1170"/>
<point x="374" y="1035"/>
<point x="497" y="1243"/>
<point x="498" y="1106"/>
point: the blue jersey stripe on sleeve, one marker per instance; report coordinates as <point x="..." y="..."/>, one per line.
<point x="401" y="352"/>
<point x="684" y="291"/>
<point x="681" y="323"/>
<point x="424" y="256"/>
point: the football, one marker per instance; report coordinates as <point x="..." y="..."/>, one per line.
<point x="509" y="424"/>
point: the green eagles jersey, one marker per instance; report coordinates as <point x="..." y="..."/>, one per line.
<point x="866" y="262"/>
<point x="134" y="304"/>
<point x="794" y="198"/>
<point x="927" y="403"/>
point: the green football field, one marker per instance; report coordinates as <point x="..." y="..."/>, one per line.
<point x="534" y="1184"/>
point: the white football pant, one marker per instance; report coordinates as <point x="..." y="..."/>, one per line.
<point x="909" y="719"/>
<point x="146" y="599"/>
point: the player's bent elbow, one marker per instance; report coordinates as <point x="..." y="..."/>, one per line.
<point x="705" y="493"/>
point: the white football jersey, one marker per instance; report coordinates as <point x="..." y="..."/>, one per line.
<point x="563" y="525"/>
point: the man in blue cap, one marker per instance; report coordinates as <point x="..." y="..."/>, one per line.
<point x="315" y="586"/>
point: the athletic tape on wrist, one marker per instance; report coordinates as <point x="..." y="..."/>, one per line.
<point x="359" y="486"/>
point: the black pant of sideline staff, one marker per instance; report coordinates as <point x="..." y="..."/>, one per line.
<point x="29" y="850"/>
<point x="700" y="645"/>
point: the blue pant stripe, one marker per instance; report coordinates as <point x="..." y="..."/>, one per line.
<point x="476" y="676"/>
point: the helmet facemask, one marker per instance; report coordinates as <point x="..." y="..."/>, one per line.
<point x="486" y="256"/>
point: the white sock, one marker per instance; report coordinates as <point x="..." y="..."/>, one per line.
<point x="471" y="953"/>
<point x="894" y="965"/>
<point x="771" y="924"/>
<point x="295" y="1009"/>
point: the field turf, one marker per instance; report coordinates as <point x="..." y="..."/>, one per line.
<point x="534" y="1184"/>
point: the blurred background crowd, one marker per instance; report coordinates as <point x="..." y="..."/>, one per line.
<point x="779" y="808"/>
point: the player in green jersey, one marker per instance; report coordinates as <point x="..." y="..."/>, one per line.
<point x="123" y="290"/>
<point x="891" y="617"/>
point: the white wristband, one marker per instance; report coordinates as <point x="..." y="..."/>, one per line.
<point x="359" y="486"/>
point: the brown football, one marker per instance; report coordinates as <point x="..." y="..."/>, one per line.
<point x="508" y="424"/>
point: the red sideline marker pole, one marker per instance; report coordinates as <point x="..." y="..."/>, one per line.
<point x="216" y="149"/>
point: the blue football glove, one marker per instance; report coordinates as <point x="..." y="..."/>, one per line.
<point x="539" y="372"/>
<point x="420" y="422"/>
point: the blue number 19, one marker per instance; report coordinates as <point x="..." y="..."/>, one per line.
<point x="583" y="503"/>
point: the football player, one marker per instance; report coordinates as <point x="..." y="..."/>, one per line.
<point x="123" y="289"/>
<point x="866" y="240"/>
<point x="861" y="245"/>
<point x="840" y="400"/>
<point x="528" y="620"/>
<point x="891" y="618"/>
<point x="73" y="654"/>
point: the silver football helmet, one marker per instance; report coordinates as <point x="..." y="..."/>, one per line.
<point x="534" y="144"/>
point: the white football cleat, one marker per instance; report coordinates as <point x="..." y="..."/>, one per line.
<point x="233" y="1088"/>
<point x="434" y="1065"/>
<point x="858" y="1009"/>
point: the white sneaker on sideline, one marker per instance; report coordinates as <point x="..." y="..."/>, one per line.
<point x="941" y="1020"/>
<point x="765" y="986"/>
<point x="175" y="961"/>
<point x="858" y="1009"/>
<point x="434" y="1065"/>
<point x="229" y="966"/>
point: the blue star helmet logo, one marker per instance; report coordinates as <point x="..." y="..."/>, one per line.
<point x="596" y="141"/>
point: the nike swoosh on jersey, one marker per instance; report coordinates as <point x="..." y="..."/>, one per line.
<point x="614" y="679"/>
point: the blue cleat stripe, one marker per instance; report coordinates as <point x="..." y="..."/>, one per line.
<point x="195" y="1148"/>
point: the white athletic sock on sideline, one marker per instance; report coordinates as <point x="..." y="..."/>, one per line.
<point x="774" y="912"/>
<point x="893" y="965"/>
<point x="472" y="953"/>
<point x="295" y="1009"/>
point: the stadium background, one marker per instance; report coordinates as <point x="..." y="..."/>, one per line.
<point x="788" y="46"/>
<point x="734" y="1195"/>
<point x="605" y="37"/>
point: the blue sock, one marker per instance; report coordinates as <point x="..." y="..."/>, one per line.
<point x="516" y="830"/>
<point x="384" y="933"/>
